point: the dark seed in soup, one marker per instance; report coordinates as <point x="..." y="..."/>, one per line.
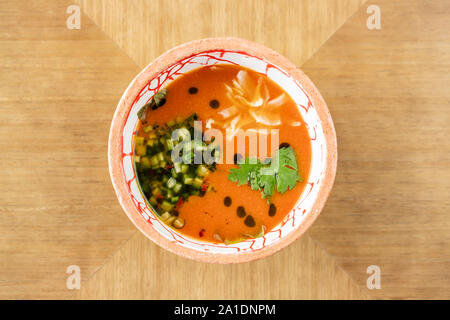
<point x="240" y="212"/>
<point x="193" y="90"/>
<point x="249" y="221"/>
<point x="272" y="210"/>
<point x="227" y="201"/>
<point x="214" y="104"/>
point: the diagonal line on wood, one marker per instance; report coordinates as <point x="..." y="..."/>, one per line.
<point x="122" y="49"/>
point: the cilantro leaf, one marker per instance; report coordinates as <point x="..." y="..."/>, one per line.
<point x="286" y="179"/>
<point x="287" y="157"/>
<point x="285" y="164"/>
<point x="155" y="102"/>
<point x="159" y="97"/>
<point x="242" y="175"/>
<point x="267" y="183"/>
<point x="280" y="173"/>
<point x="143" y="111"/>
<point x="254" y="179"/>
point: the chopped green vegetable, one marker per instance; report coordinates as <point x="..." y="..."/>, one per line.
<point x="188" y="180"/>
<point x="177" y="187"/>
<point x="178" y="223"/>
<point x="280" y="173"/>
<point x="202" y="170"/>
<point x="157" y="101"/>
<point x="166" y="206"/>
<point x="139" y="141"/>
<point x="197" y="183"/>
<point x="171" y="183"/>
<point x="141" y="150"/>
<point x="165" y="183"/>
<point x="159" y="97"/>
<point x="241" y="175"/>
<point x="145" y="162"/>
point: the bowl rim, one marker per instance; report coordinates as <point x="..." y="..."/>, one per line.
<point x="166" y="60"/>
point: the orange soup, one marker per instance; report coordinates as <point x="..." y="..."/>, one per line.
<point x="221" y="187"/>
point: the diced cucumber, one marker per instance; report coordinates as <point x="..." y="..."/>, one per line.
<point x="154" y="160"/>
<point x="202" y="170"/>
<point x="145" y="162"/>
<point x="171" y="183"/>
<point x="141" y="150"/>
<point x="156" y="192"/>
<point x="168" y="182"/>
<point x="166" y="206"/>
<point x="165" y="216"/>
<point x="188" y="179"/>
<point x="169" y="144"/>
<point x="148" y="128"/>
<point x="139" y="141"/>
<point x="170" y="220"/>
<point x="197" y="183"/>
<point x="178" y="223"/>
<point x="177" y="187"/>
<point x="153" y="201"/>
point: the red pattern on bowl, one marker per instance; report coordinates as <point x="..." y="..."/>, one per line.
<point x="173" y="64"/>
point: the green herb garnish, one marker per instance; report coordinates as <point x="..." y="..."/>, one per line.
<point x="155" y="102"/>
<point x="281" y="173"/>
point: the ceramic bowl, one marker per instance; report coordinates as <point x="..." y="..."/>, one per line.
<point x="173" y="64"/>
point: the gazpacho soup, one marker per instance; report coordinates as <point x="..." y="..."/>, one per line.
<point x="221" y="154"/>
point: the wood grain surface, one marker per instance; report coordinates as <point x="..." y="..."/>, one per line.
<point x="147" y="40"/>
<point x="141" y="270"/>
<point x="145" y="29"/>
<point x="388" y="94"/>
<point x="58" y="89"/>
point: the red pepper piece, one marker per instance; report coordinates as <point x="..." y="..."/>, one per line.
<point x="179" y="203"/>
<point x="205" y="186"/>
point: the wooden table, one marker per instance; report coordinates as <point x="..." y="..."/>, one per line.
<point x="388" y="94"/>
